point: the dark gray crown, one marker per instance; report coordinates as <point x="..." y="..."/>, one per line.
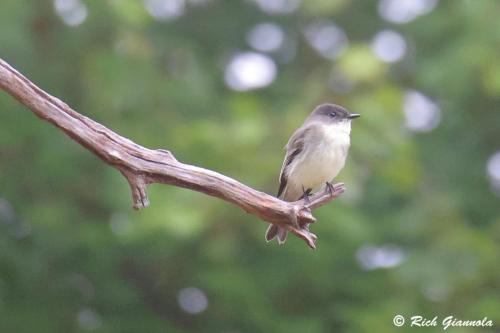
<point x="330" y="109"/>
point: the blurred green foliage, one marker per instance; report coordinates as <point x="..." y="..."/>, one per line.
<point x="418" y="231"/>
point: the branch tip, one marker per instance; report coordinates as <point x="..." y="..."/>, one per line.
<point x="138" y="186"/>
<point x="306" y="235"/>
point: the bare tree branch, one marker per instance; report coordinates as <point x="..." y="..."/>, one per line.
<point x="142" y="166"/>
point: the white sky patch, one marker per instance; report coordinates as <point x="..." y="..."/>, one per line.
<point x="72" y="12"/>
<point x="404" y="11"/>
<point x="326" y="38"/>
<point x="389" y="46"/>
<point x="276" y="7"/>
<point x="386" y="256"/>
<point x="165" y="10"/>
<point x="192" y="300"/>
<point x="266" y="37"/>
<point x="250" y="70"/>
<point x="493" y="171"/>
<point x="421" y="113"/>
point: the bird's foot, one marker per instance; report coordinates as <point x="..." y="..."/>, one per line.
<point x="305" y="195"/>
<point x="329" y="188"/>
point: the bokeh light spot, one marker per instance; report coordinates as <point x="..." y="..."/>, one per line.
<point x="389" y="46"/>
<point x="7" y="214"/>
<point x="436" y="292"/>
<point x="192" y="300"/>
<point x="493" y="171"/>
<point x="88" y="319"/>
<point x="404" y="11"/>
<point x="164" y="10"/>
<point x="265" y="37"/>
<point x="326" y="38"/>
<point x="120" y="224"/>
<point x="386" y="256"/>
<point x="421" y="113"/>
<point x="72" y="12"/>
<point x="250" y="70"/>
<point x="275" y="7"/>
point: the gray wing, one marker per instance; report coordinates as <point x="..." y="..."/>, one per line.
<point x="293" y="149"/>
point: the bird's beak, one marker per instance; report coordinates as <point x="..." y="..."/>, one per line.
<point x="353" y="115"/>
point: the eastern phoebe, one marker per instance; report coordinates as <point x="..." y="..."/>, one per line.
<point x="315" y="154"/>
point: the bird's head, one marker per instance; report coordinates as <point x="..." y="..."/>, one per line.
<point x="332" y="113"/>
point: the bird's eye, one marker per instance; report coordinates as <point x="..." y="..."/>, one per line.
<point x="333" y="114"/>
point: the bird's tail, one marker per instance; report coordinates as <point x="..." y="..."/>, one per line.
<point x="276" y="232"/>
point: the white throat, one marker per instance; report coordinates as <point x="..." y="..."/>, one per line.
<point x="341" y="127"/>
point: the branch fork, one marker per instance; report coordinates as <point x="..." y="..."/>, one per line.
<point x="142" y="166"/>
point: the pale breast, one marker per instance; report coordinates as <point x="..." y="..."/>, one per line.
<point x="322" y="159"/>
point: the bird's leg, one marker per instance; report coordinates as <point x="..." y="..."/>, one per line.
<point x="329" y="188"/>
<point x="305" y="195"/>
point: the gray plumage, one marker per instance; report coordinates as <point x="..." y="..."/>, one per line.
<point x="315" y="154"/>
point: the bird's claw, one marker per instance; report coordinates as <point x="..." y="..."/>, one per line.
<point x="305" y="195"/>
<point x="329" y="188"/>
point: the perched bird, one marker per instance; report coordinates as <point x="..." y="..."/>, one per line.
<point x="315" y="154"/>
